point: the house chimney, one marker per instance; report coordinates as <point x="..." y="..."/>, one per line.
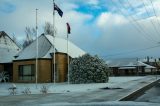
<point x="147" y="59"/>
<point x="155" y="64"/>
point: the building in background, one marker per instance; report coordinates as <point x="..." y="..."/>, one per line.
<point x="8" y="49"/>
<point x="130" y="67"/>
<point x="153" y="62"/>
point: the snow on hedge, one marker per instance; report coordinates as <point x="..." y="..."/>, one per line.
<point x="88" y="69"/>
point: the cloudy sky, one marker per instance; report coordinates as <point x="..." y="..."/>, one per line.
<point x="109" y="28"/>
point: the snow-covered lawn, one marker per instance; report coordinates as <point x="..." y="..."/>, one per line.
<point x="65" y="87"/>
<point x="108" y="103"/>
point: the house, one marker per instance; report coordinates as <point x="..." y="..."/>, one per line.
<point x="153" y="62"/>
<point x="8" y="49"/>
<point x="24" y="66"/>
<point x="129" y="67"/>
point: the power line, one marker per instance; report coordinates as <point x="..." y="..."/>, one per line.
<point x="124" y="15"/>
<point x="154" y="12"/>
<point x="142" y="30"/>
<point x="150" y="35"/>
<point x="133" y="51"/>
<point x="154" y="27"/>
<point x="143" y="18"/>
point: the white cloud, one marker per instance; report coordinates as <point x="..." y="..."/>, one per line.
<point x="110" y="19"/>
<point x="120" y="35"/>
<point x="66" y="6"/>
<point x="93" y="2"/>
<point x="25" y="15"/>
<point x="108" y="34"/>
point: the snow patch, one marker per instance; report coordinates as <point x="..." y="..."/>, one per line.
<point x="64" y="87"/>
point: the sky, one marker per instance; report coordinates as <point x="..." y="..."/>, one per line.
<point x="108" y="28"/>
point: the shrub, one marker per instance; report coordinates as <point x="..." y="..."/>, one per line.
<point x="44" y="89"/>
<point x="88" y="69"/>
<point x="4" y="77"/>
<point x="12" y="90"/>
<point x="26" y="91"/>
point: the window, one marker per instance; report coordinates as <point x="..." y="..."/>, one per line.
<point x="27" y="72"/>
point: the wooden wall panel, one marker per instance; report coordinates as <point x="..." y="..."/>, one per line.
<point x="61" y="63"/>
<point x="44" y="70"/>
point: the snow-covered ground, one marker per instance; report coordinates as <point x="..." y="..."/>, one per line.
<point x="110" y="103"/>
<point x="65" y="87"/>
<point x="63" y="94"/>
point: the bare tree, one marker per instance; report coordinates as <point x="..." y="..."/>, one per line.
<point x="48" y="29"/>
<point x="14" y="38"/>
<point x="30" y="34"/>
<point x="16" y="41"/>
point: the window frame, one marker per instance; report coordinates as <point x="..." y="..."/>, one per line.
<point x="21" y="74"/>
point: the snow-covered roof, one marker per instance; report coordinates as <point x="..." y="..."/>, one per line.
<point x="61" y="46"/>
<point x="146" y="65"/>
<point x="122" y="62"/>
<point x="8" y="48"/>
<point x="127" y="63"/>
<point x="123" y="68"/>
<point x="46" y="47"/>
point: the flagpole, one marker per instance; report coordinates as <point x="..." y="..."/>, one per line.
<point x="68" y="57"/>
<point x="36" y="49"/>
<point x="54" y="43"/>
<point x="68" y="32"/>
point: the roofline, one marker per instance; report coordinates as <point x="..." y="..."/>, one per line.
<point x="10" y="38"/>
<point x="17" y="55"/>
<point x="127" y="66"/>
<point x="40" y="58"/>
<point x="64" y="39"/>
<point x="49" y="41"/>
<point x="6" y="62"/>
<point x="61" y="53"/>
<point x="33" y="59"/>
<point x="33" y="41"/>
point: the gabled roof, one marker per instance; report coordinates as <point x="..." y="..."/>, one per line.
<point x="146" y="65"/>
<point x="131" y="63"/>
<point x="61" y="46"/>
<point x="126" y="62"/>
<point x="8" y="48"/>
<point x="46" y="45"/>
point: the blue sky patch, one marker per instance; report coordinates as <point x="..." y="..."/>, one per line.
<point x="93" y="10"/>
<point x="6" y="7"/>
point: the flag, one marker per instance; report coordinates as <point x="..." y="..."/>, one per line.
<point x="60" y="12"/>
<point x="68" y="28"/>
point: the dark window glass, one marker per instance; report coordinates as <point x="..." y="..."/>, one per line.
<point x="27" y="72"/>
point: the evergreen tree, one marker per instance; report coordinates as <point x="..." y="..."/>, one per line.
<point x="88" y="69"/>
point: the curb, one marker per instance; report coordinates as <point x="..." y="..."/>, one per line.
<point x="132" y="96"/>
